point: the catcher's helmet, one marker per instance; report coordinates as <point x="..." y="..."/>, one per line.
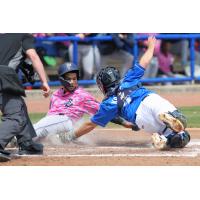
<point x="178" y="140"/>
<point x="67" y="68"/>
<point x="108" y="80"/>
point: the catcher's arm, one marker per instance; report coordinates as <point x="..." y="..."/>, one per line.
<point x="89" y="126"/>
<point x="147" y="56"/>
<point x="73" y="134"/>
<point x="119" y="120"/>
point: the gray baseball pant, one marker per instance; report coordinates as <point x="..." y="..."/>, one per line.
<point x="15" y="120"/>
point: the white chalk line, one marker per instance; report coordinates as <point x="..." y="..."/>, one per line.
<point x="192" y="143"/>
<point x="193" y="152"/>
<point x="181" y="153"/>
<point x="125" y="129"/>
<point x="148" y="146"/>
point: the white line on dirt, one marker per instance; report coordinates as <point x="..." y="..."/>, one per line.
<point x="148" y="146"/>
<point x="124" y="129"/>
<point x="191" y="154"/>
<point x="192" y="143"/>
<point x="106" y="147"/>
<point x="194" y="153"/>
<point x="189" y="151"/>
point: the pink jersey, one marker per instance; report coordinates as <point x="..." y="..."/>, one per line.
<point x="74" y="104"/>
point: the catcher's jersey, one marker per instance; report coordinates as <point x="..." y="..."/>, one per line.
<point x="74" y="105"/>
<point x="109" y="108"/>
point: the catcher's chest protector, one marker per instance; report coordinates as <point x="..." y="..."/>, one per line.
<point x="123" y="96"/>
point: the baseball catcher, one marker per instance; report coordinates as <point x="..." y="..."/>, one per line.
<point x="68" y="104"/>
<point x="136" y="104"/>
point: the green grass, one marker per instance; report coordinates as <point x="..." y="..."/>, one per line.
<point x="192" y="114"/>
<point x="35" y="117"/>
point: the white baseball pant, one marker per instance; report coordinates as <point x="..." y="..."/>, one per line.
<point x="53" y="124"/>
<point x="147" y="114"/>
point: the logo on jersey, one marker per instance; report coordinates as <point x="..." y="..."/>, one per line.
<point x="114" y="100"/>
<point x="124" y="98"/>
<point x="69" y="103"/>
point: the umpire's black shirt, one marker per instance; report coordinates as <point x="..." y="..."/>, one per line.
<point x="12" y="53"/>
<point x="13" y="47"/>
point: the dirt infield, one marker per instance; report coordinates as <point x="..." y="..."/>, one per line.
<point x="114" y="147"/>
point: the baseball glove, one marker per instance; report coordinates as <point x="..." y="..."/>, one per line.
<point x="159" y="141"/>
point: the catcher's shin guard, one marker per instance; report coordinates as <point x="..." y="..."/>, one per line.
<point x="174" y="120"/>
<point x="178" y="140"/>
<point x="159" y="141"/>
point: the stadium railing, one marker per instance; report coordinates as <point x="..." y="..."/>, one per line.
<point x="136" y="38"/>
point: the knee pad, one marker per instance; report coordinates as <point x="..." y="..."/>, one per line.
<point x="178" y="140"/>
<point x="178" y="115"/>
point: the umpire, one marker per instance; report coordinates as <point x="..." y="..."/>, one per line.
<point x="14" y="49"/>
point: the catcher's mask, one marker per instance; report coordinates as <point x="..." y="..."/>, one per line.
<point x="178" y="140"/>
<point x="108" y="80"/>
<point x="67" y="68"/>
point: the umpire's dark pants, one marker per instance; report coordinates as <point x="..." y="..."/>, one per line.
<point x="15" y="120"/>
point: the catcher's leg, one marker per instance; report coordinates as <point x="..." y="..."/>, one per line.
<point x="174" y="120"/>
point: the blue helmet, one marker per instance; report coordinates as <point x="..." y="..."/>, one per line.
<point x="67" y="68"/>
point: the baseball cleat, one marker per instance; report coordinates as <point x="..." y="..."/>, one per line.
<point x="4" y="157"/>
<point x="171" y="122"/>
<point x="30" y="148"/>
<point x="159" y="141"/>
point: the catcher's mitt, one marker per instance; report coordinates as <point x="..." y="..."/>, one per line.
<point x="159" y="141"/>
